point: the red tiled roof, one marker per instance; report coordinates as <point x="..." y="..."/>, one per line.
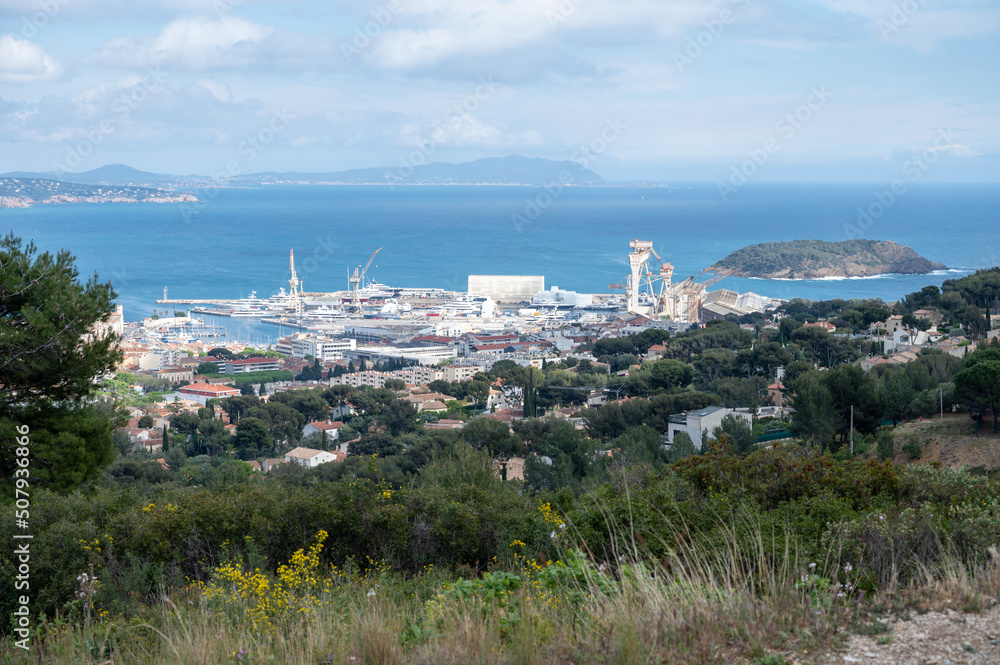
<point x="206" y="387"/>
<point x="327" y="426"/>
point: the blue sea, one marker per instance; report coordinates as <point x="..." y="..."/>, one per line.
<point x="237" y="241"/>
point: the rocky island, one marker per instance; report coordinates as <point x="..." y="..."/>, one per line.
<point x="813" y="259"/>
<point x="25" y="192"/>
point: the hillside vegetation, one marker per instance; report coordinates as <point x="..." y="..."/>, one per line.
<point x="614" y="548"/>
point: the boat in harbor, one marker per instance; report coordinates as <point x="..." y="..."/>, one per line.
<point x="251" y="306"/>
<point x="324" y="314"/>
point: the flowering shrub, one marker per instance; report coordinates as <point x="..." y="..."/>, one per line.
<point x="296" y="589"/>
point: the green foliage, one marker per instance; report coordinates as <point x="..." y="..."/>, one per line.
<point x="44" y="313"/>
<point x="252" y="438"/>
<point x="912" y="448"/>
<point x="739" y="433"/>
<point x="885" y="444"/>
<point x="669" y="375"/>
<point x="375" y="443"/>
<point x="492" y="436"/>
<point x="978" y="385"/>
<point x="146" y="422"/>
<point x="812" y="417"/>
<point x="70" y="443"/>
<point x="49" y="360"/>
<point x="208" y="367"/>
<point x="798" y="256"/>
<point x="681" y="447"/>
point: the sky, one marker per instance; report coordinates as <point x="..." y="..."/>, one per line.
<point x="637" y="90"/>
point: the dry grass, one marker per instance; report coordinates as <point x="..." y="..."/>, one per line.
<point x="733" y="603"/>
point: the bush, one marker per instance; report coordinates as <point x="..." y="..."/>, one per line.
<point x="885" y="444"/>
<point x="912" y="448"/>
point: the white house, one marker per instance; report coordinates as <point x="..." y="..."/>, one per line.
<point x="701" y="422"/>
<point x="309" y="457"/>
<point x="331" y="427"/>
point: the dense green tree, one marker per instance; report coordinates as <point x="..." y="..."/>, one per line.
<point x="762" y="359"/>
<point x="978" y="385"/>
<point x="50" y="361"/>
<point x="236" y="407"/>
<point x="208" y="367"/>
<point x="738" y="432"/>
<point x="713" y="364"/>
<point x="48" y="352"/>
<point x="491" y="435"/>
<point x="850" y="386"/>
<point x="895" y="391"/>
<point x="395" y="384"/>
<point x="813" y="418"/>
<point x="307" y="401"/>
<point x="375" y="443"/>
<point x="670" y="375"/>
<point x="641" y="445"/>
<point x="121" y="441"/>
<point x="70" y="442"/>
<point x="251" y="438"/>
<point x="742" y="392"/>
<point x="681" y="447"/>
<point x="145" y="422"/>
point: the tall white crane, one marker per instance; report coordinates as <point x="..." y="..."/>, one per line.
<point x="294" y="297"/>
<point x="357" y="278"/>
<point x="641" y="249"/>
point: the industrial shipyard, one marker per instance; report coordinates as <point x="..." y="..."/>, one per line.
<point x="367" y="307"/>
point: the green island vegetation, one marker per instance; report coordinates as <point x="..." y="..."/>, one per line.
<point x="809" y="259"/>
<point x="418" y="548"/>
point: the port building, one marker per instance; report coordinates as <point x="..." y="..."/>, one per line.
<point x="507" y="288"/>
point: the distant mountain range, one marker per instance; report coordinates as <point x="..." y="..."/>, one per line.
<point x="510" y="170"/>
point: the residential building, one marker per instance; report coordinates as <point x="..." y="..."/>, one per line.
<point x="825" y="325"/>
<point x="247" y="365"/>
<point x="776" y="394"/>
<point x="310" y="457"/>
<point x="455" y="373"/>
<point x="202" y="392"/>
<point x="331" y="427"/>
<point x="175" y="374"/>
<point x="701" y="423"/>
<point x="323" y="348"/>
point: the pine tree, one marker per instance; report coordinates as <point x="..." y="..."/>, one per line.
<point x="52" y="353"/>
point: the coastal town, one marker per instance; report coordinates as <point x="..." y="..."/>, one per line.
<point x="422" y="344"/>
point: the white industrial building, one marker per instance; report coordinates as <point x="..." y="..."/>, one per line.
<point x="506" y="288"/>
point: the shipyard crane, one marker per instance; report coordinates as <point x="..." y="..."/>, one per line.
<point x="294" y="293"/>
<point x="357" y="278"/>
<point x="681" y="300"/>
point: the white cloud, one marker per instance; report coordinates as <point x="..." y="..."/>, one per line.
<point x="431" y="32"/>
<point x="22" y="61"/>
<point x="953" y="149"/>
<point x="191" y="43"/>
<point x="218" y="89"/>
